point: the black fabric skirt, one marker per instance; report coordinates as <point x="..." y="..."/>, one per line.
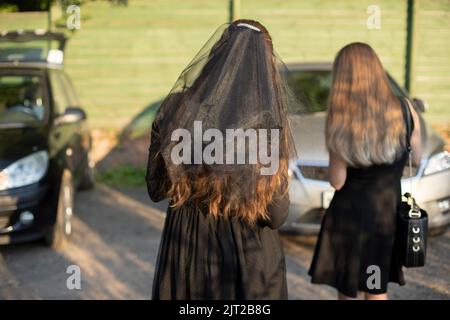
<point x="201" y="257"/>
<point x="357" y="239"/>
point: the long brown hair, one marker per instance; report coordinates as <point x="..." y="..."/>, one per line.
<point x="217" y="190"/>
<point x="365" y="122"/>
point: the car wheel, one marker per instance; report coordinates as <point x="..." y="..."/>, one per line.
<point x="88" y="179"/>
<point x="57" y="236"/>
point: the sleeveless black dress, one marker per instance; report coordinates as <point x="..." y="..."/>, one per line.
<point x="202" y="257"/>
<point x="358" y="231"/>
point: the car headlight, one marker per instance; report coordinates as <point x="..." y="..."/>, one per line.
<point x="438" y="162"/>
<point x="25" y="171"/>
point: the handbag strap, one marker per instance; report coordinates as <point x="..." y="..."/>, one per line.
<point x="409" y="121"/>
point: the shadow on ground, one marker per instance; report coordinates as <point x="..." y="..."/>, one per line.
<point x="116" y="239"/>
<point x="115" y="243"/>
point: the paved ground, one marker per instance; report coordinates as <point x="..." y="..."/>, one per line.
<point x="115" y="243"/>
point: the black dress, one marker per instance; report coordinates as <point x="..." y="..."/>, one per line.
<point x="358" y="230"/>
<point x="202" y="257"/>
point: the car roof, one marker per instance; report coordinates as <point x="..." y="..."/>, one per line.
<point x="319" y="66"/>
<point x="309" y="66"/>
<point x="29" y="65"/>
<point x="31" y="35"/>
<point x="46" y="51"/>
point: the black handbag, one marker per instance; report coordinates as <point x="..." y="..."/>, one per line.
<point x="412" y="221"/>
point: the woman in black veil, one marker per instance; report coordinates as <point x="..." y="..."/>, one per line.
<point x="220" y="238"/>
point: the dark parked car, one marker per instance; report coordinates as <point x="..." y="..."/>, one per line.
<point x="45" y="145"/>
<point x="310" y="192"/>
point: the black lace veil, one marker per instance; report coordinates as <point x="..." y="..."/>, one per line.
<point x="235" y="82"/>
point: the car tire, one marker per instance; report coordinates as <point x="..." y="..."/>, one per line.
<point x="88" y="178"/>
<point x="59" y="233"/>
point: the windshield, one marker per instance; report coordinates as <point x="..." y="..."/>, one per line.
<point x="21" y="99"/>
<point x="26" y="51"/>
<point x="33" y="46"/>
<point x="313" y="87"/>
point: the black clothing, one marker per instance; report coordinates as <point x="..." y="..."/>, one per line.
<point x="203" y="257"/>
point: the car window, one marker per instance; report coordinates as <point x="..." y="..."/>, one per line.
<point x="22" y="98"/>
<point x="59" y="96"/>
<point x="69" y="89"/>
<point x="311" y="88"/>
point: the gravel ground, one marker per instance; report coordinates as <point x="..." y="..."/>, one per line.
<point x="115" y="243"/>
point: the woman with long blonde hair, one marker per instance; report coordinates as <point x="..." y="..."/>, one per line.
<point x="220" y="145"/>
<point x="366" y="138"/>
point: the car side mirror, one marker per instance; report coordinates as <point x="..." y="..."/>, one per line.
<point x="419" y="104"/>
<point x="71" y="115"/>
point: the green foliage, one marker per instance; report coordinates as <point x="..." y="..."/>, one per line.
<point x="26" y="5"/>
<point x="122" y="176"/>
<point x="126" y="58"/>
<point x="6" y="8"/>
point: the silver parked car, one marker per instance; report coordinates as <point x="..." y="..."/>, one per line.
<point x="310" y="192"/>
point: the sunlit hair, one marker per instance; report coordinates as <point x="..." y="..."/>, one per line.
<point x="216" y="190"/>
<point x="365" y="122"/>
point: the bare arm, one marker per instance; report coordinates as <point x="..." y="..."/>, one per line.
<point x="338" y="171"/>
<point x="416" y="140"/>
